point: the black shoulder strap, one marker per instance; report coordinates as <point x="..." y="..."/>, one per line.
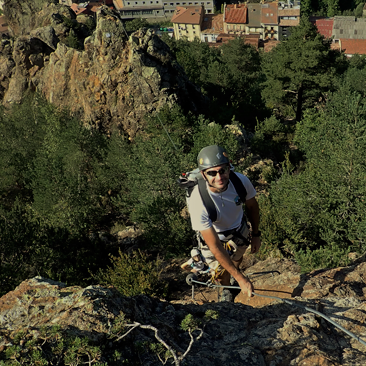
<point x="207" y="200"/>
<point x="239" y="186"/>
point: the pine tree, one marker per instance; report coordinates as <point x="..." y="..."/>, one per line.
<point x="300" y="71"/>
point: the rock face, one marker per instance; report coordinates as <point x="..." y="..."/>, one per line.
<point x="113" y="83"/>
<point x="258" y="334"/>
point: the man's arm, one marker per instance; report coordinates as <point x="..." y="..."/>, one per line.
<point x="252" y="209"/>
<point x="213" y="242"/>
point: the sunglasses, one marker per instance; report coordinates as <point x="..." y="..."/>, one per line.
<point x="221" y="171"/>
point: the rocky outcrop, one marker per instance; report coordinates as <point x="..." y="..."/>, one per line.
<point x="244" y="333"/>
<point x="113" y="83"/>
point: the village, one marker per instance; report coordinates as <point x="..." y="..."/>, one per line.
<point x="261" y="25"/>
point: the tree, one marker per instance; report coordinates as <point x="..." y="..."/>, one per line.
<point x="300" y="71"/>
<point x="318" y="214"/>
<point x="230" y="77"/>
<point x="136" y="24"/>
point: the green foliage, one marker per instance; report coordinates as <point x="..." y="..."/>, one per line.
<point x="318" y="214"/>
<point x="190" y="323"/>
<point x="300" y="70"/>
<point x="63" y="175"/>
<point x="51" y="195"/>
<point x="73" y="41"/>
<point x="53" y="346"/>
<point x="330" y="7"/>
<point x="230" y="77"/>
<point x="133" y="274"/>
<point x="271" y="138"/>
<point x="136" y="24"/>
<point x="211" y="314"/>
<point x="359" y="10"/>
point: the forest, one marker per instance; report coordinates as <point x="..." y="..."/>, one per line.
<point x="299" y="110"/>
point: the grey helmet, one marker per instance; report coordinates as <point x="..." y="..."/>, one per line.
<point x="195" y="252"/>
<point x="211" y="156"/>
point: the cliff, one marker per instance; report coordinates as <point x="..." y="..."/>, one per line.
<point x="113" y="82"/>
<point x="255" y="332"/>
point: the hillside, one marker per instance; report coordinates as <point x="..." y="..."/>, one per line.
<point x="248" y="332"/>
<point x="111" y="83"/>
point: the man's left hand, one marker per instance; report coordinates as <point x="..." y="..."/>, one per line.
<point x="255" y="244"/>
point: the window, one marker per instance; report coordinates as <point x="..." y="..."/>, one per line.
<point x="355" y="31"/>
<point x="341" y="31"/>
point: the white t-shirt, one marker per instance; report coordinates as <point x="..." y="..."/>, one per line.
<point x="228" y="206"/>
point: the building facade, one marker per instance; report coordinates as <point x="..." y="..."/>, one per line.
<point x="130" y="9"/>
<point x="187" y="22"/>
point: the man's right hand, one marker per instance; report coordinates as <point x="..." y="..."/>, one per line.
<point x="246" y="286"/>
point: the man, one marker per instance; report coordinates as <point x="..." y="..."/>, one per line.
<point x="214" y="165"/>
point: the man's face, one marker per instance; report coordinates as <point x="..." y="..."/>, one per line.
<point x="218" y="177"/>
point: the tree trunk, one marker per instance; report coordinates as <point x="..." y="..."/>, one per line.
<point x="299" y="104"/>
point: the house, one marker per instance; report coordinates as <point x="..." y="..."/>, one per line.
<point x="254" y="25"/>
<point x="187" y="21"/>
<point x="324" y="25"/>
<point x="170" y="6"/>
<point x="130" y="9"/>
<point x="235" y="19"/>
<point x="87" y="8"/>
<point x="212" y="26"/>
<point x="269" y="21"/>
<point x="288" y="16"/>
<point x="139" y="8"/>
<point x="349" y="27"/>
<point x="352" y="46"/>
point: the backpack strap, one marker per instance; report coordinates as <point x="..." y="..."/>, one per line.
<point x="207" y="200"/>
<point x="238" y="185"/>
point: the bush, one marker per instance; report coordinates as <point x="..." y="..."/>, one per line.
<point x="133" y="274"/>
<point x="319" y="214"/>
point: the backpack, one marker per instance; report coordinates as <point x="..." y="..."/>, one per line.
<point x="189" y="180"/>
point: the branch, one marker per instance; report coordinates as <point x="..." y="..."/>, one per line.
<point x="177" y="360"/>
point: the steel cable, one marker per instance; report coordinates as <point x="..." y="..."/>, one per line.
<point x="289" y="302"/>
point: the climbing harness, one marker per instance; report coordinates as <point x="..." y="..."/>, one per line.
<point x="191" y="280"/>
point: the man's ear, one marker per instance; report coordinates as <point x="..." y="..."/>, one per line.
<point x="204" y="177"/>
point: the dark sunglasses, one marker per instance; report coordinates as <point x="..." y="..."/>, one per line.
<point x="221" y="171"/>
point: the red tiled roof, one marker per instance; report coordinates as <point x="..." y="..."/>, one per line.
<point x="118" y="4"/>
<point x="288" y="12"/>
<point x="290" y="22"/>
<point x="77" y="10"/>
<point x="270" y="13"/>
<point x="353" y="46"/>
<point x="324" y="25"/>
<point x="212" y="23"/>
<point x="235" y="14"/>
<point x="187" y="15"/>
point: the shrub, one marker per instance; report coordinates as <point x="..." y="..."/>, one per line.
<point x="133" y="274"/>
